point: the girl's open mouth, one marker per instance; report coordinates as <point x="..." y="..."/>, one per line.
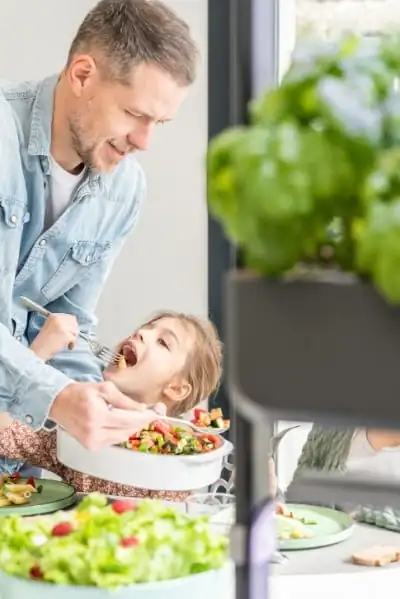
<point x="128" y="357"/>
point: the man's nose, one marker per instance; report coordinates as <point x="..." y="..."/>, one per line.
<point x="140" y="138"/>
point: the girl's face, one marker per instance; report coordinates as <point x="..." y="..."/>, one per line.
<point x="155" y="356"/>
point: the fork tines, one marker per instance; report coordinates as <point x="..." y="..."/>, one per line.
<point x="108" y="355"/>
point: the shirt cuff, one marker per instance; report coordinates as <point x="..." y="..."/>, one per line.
<point x="32" y="400"/>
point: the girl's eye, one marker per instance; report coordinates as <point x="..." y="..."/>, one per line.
<point x="163" y="343"/>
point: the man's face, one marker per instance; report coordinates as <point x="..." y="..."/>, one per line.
<point x="109" y="120"/>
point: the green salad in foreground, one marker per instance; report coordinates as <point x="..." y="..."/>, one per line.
<point x="110" y="546"/>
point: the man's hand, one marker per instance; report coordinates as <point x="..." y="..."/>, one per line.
<point x="58" y="332"/>
<point x="98" y="415"/>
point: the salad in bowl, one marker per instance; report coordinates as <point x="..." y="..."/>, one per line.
<point x="109" y="546"/>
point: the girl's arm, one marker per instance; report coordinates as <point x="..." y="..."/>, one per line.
<point x="19" y="442"/>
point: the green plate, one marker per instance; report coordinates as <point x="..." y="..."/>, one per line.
<point x="331" y="527"/>
<point x="55" y="496"/>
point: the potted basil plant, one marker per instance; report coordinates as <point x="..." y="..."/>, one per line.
<point x="310" y="192"/>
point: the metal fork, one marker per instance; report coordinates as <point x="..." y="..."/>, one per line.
<point x="102" y="352"/>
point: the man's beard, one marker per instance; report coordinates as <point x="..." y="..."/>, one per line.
<point x="85" y="150"/>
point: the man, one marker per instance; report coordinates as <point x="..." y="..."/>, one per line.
<point x="70" y="193"/>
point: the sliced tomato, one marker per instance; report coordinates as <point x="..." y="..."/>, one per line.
<point x="214" y="439"/>
<point x="161" y="427"/>
<point x="31" y="481"/>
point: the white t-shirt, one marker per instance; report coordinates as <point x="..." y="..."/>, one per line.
<point x="363" y="458"/>
<point x="62" y="187"/>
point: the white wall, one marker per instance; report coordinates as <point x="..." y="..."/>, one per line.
<point x="35" y="35"/>
<point x="164" y="264"/>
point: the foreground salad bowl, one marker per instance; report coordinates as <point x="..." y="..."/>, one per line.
<point x="103" y="549"/>
<point x="215" y="583"/>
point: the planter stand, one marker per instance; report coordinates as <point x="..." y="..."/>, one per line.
<point x="322" y="351"/>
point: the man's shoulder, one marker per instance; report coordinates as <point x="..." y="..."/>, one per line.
<point x="18" y="90"/>
<point x="15" y="97"/>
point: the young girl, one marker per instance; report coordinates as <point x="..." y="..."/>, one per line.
<point x="173" y="358"/>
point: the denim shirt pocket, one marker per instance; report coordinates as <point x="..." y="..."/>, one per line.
<point x="78" y="263"/>
<point x="13" y="216"/>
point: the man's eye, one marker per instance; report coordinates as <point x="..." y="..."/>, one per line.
<point x="133" y="115"/>
<point x="163" y="343"/>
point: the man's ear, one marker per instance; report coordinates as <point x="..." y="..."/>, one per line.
<point x="82" y="70"/>
<point x="178" y="391"/>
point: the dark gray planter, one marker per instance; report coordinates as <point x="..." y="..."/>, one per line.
<point x="314" y="350"/>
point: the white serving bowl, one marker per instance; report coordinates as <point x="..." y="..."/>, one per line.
<point x="214" y="584"/>
<point x="144" y="470"/>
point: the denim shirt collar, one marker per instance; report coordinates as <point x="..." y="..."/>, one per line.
<point x="42" y="115"/>
<point x="40" y="133"/>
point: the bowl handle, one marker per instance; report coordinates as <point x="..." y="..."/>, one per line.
<point x="227" y="448"/>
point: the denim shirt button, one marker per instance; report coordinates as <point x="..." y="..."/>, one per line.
<point x="42" y="243"/>
<point x="28" y="419"/>
<point x="14" y="219"/>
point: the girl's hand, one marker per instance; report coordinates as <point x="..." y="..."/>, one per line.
<point x="59" y="331"/>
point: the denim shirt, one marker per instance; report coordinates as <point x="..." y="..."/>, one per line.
<point x="63" y="268"/>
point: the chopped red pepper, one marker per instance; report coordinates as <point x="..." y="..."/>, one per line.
<point x="62" y="529"/>
<point x="197" y="413"/>
<point x="129" y="542"/>
<point x="36" y="572"/>
<point x="15" y="476"/>
<point x="31" y="481"/>
<point x="123" y="505"/>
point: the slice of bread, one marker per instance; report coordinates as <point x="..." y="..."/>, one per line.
<point x="378" y="555"/>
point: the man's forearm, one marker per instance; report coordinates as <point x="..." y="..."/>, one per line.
<point x="28" y="386"/>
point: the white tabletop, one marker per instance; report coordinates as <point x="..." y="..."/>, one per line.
<point x="329" y="573"/>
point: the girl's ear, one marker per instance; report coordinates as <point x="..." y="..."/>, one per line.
<point x="178" y="391"/>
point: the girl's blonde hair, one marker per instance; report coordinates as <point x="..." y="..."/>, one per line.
<point x="203" y="367"/>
